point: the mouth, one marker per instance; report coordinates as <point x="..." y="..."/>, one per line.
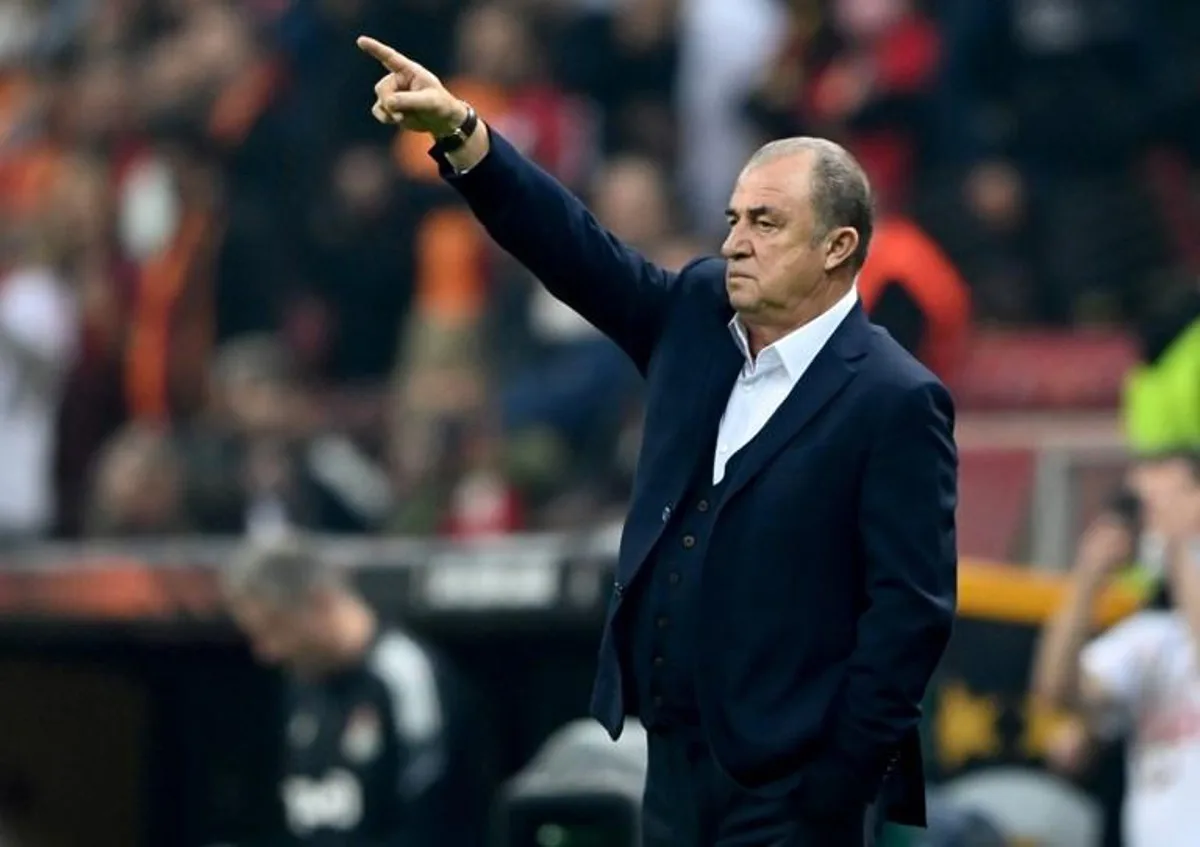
<point x="732" y="275"/>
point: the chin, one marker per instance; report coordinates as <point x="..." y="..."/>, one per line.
<point x="740" y="298"/>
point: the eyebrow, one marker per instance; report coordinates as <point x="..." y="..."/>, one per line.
<point x="753" y="212"/>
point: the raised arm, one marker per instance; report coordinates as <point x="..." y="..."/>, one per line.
<point x="527" y="211"/>
<point x="1059" y="680"/>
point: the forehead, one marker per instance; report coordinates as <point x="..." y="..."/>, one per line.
<point x="1157" y="474"/>
<point x="779" y="183"/>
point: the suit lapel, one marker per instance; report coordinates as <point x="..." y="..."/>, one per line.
<point x="828" y="374"/>
<point x="699" y="418"/>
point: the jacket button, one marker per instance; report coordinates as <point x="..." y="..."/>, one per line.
<point x="702" y="506"/>
<point x="689" y="541"/>
<point x="666" y="513"/>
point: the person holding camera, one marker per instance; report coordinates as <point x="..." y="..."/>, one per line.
<point x="1140" y="678"/>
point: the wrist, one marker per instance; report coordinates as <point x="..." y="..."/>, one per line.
<point x="461" y="112"/>
<point x="1090" y="580"/>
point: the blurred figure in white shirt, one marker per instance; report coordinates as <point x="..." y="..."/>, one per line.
<point x="1140" y="679"/>
<point x="39" y="333"/>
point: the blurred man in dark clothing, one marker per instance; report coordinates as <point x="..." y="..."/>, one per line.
<point x="374" y="752"/>
<point x="1048" y="106"/>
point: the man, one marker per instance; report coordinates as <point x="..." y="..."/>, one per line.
<point x="1140" y="678"/>
<point x="374" y="750"/>
<point x="786" y="579"/>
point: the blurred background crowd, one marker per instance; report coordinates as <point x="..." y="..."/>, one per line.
<point x="228" y="299"/>
<point x="230" y="302"/>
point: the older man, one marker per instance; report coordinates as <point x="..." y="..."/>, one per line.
<point x="786" y="579"/>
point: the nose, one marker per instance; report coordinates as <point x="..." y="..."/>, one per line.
<point x="736" y="245"/>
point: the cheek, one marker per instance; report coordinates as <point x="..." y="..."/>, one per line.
<point x="789" y="268"/>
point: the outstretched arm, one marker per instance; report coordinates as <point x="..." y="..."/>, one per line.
<point x="529" y="213"/>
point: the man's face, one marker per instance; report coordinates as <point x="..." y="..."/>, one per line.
<point x="775" y="261"/>
<point x="288" y="637"/>
<point x="1160" y="485"/>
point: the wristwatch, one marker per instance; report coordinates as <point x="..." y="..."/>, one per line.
<point x="456" y="139"/>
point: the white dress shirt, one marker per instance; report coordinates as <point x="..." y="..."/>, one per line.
<point x="766" y="380"/>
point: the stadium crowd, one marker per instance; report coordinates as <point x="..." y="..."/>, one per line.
<point x="229" y="300"/>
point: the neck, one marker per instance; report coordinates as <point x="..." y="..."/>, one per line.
<point x="763" y="331"/>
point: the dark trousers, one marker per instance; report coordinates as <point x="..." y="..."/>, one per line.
<point x="689" y="802"/>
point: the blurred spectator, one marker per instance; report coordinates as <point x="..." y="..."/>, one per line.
<point x="573" y="383"/>
<point x="1139" y="678"/>
<point x="138" y="486"/>
<point x="376" y="737"/>
<point x="253" y="463"/>
<point x="624" y="54"/>
<point x="1047" y="106"/>
<point x="1161" y="405"/>
<point x="725" y="50"/>
<point x="912" y="289"/>
<point x="482" y="501"/>
<point x="864" y="78"/>
<point x="39" y="328"/>
<point x="361" y="269"/>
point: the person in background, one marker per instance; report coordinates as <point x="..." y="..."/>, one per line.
<point x="39" y="326"/>
<point x="1140" y="677"/>
<point x="254" y="461"/>
<point x="376" y="751"/>
<point x="137" y="486"/>
<point x="1075" y="749"/>
<point x="912" y="289"/>
<point x="1160" y="404"/>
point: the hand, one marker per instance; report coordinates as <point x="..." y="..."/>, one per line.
<point x="1180" y="523"/>
<point x="410" y="95"/>
<point x="1105" y="546"/>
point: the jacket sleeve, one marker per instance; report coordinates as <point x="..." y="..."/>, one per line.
<point x="907" y="525"/>
<point x="427" y="805"/>
<point x="549" y="230"/>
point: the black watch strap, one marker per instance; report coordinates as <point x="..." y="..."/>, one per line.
<point x="456" y="139"/>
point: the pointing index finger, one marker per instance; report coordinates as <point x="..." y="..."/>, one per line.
<point x="389" y="57"/>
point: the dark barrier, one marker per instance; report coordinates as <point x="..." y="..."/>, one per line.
<point x="132" y="715"/>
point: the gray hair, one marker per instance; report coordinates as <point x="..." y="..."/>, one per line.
<point x="259" y="356"/>
<point x="282" y="571"/>
<point x="841" y="192"/>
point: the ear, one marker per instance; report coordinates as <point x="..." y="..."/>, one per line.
<point x="840" y="245"/>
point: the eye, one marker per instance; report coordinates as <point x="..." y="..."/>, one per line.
<point x="765" y="225"/>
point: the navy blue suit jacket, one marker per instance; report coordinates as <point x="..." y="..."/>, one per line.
<point x="828" y="587"/>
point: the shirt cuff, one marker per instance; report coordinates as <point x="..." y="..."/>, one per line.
<point x="448" y="172"/>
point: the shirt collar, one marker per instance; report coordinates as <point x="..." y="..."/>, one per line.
<point x="796" y="350"/>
